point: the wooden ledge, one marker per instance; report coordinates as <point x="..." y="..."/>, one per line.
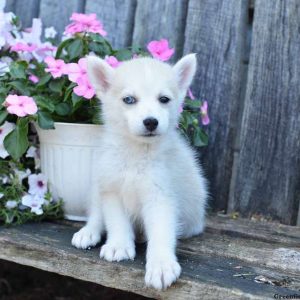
<point x="233" y="259"/>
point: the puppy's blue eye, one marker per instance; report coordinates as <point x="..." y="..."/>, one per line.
<point x="164" y="99"/>
<point x="129" y="100"/>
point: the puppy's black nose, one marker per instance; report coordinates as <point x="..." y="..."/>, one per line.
<point x="150" y="123"/>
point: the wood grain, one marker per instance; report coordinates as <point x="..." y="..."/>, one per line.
<point x="216" y="31"/>
<point x="155" y="20"/>
<point x="27" y="10"/>
<point x="117" y="17"/>
<point x="9" y="6"/>
<point x="57" y="14"/>
<point x="212" y="264"/>
<point x="268" y="178"/>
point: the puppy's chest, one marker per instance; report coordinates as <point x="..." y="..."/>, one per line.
<point x="131" y="183"/>
<point x="126" y="176"/>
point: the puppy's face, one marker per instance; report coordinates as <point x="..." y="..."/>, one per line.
<point x="141" y="98"/>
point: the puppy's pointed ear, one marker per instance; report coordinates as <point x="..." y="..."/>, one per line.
<point x="185" y="70"/>
<point x="100" y="74"/>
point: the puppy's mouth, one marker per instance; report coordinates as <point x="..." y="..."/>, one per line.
<point x="150" y="134"/>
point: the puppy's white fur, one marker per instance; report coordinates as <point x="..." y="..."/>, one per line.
<point x="143" y="182"/>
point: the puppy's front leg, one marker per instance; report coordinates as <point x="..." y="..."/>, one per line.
<point x="159" y="214"/>
<point x="90" y="234"/>
<point x="120" y="235"/>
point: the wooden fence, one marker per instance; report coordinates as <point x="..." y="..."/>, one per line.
<point x="248" y="71"/>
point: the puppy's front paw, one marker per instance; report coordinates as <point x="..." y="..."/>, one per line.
<point x="86" y="237"/>
<point x="112" y="252"/>
<point x="160" y="274"/>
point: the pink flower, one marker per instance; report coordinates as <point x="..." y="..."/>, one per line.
<point x="204" y="113"/>
<point x="33" y="78"/>
<point x="20" y="105"/>
<point x="190" y="94"/>
<point x="19" y="47"/>
<point x="75" y="71"/>
<point x="160" y="49"/>
<point x="43" y="51"/>
<point x="84" y="88"/>
<point x="85" y="23"/>
<point x="55" y="66"/>
<point x="112" y="61"/>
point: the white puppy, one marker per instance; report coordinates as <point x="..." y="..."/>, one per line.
<point x="146" y="176"/>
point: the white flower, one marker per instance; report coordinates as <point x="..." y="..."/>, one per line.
<point x="22" y="174"/>
<point x="5" y="179"/>
<point x="5" y="129"/>
<point x="6" y="27"/>
<point x="34" y="36"/>
<point x="35" y="202"/>
<point x="37" y="184"/>
<point x="50" y="32"/>
<point x="1" y="195"/>
<point x="31" y="152"/>
<point x="4" y="67"/>
<point x="4" y="64"/>
<point x="11" y="204"/>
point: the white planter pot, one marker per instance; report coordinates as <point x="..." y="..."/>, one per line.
<point x="67" y="155"/>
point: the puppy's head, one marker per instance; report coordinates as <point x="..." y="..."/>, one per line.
<point x="141" y="98"/>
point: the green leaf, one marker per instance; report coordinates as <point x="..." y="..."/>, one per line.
<point x="77" y="101"/>
<point x="68" y="92"/>
<point x="20" y="86"/>
<point x="192" y="103"/>
<point x="3" y="115"/>
<point x="3" y="90"/>
<point x="101" y="49"/>
<point x="200" y="137"/>
<point x="44" y="79"/>
<point x="18" y="69"/>
<point x="45" y="120"/>
<point x="136" y="48"/>
<point x="2" y="99"/>
<point x="44" y="103"/>
<point x="16" y="142"/>
<point x="96" y="37"/>
<point x="62" y="109"/>
<point x="75" y="49"/>
<point x="57" y="85"/>
<point x="63" y="45"/>
<point x="124" y="54"/>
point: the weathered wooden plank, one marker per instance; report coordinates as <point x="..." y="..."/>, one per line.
<point x="57" y="13"/>
<point x="161" y="19"/>
<point x="268" y="178"/>
<point x="26" y="10"/>
<point x="117" y="17"/>
<point x="216" y="31"/>
<point x="9" y="6"/>
<point x="249" y="251"/>
<point x="208" y="272"/>
<point x="259" y="230"/>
